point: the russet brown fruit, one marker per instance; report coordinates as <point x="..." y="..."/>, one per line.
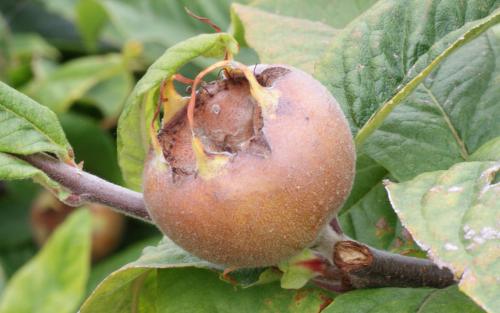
<point x="287" y="173"/>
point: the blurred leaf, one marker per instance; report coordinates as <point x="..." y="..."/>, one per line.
<point x="92" y="145"/>
<point x="133" y="142"/>
<point x="15" y="204"/>
<point x="2" y="279"/>
<point x="41" y="68"/>
<point x="436" y="125"/>
<point x="157" y="24"/>
<point x="403" y="300"/>
<point x="301" y="42"/>
<point x="169" y="279"/>
<point x="113" y="263"/>
<point x="55" y="279"/>
<point x="64" y="8"/>
<point x="74" y="79"/>
<point x="4" y="48"/>
<point x="16" y="241"/>
<point x="336" y="13"/>
<point x="42" y="18"/>
<point x="454" y="215"/>
<point x="13" y="259"/>
<point x="372" y="57"/>
<point x="29" y="45"/>
<point x="28" y="53"/>
<point x="90" y="20"/>
<point x="110" y="95"/>
<point x="27" y="127"/>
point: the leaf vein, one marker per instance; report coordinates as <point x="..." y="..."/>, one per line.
<point x="463" y="150"/>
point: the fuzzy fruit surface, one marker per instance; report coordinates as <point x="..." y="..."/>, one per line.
<point x="287" y="175"/>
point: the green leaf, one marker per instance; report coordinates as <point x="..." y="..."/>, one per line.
<point x="292" y="41"/>
<point x="168" y="278"/>
<point x="54" y="281"/>
<point x="372" y="58"/>
<point x="367" y="215"/>
<point x="133" y="142"/>
<point x="490" y="151"/>
<point x="74" y="79"/>
<point x="197" y="290"/>
<point x="454" y="215"/>
<point x="371" y="220"/>
<point x="27" y="127"/>
<point x="403" y="300"/>
<point x="119" y="291"/>
<point x="113" y="263"/>
<point x="368" y="174"/>
<point x="436" y="126"/>
<point x="336" y="13"/>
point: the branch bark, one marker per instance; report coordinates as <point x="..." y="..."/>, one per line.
<point x="85" y="187"/>
<point x="359" y="266"/>
<point x="369" y="267"/>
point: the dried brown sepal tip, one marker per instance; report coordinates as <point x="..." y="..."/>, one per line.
<point x="289" y="166"/>
<point x="205" y="20"/>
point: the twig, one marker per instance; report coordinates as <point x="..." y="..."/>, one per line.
<point x="359" y="266"/>
<point x="85" y="187"/>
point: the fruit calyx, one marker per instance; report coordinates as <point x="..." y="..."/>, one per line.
<point x="222" y="119"/>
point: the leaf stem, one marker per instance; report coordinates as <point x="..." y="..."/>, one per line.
<point x="85" y="187"/>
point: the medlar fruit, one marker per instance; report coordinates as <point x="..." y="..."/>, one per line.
<point x="48" y="212"/>
<point x="244" y="184"/>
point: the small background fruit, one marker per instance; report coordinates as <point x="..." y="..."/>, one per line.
<point x="48" y="213"/>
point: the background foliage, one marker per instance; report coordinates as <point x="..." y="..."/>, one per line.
<point x="428" y="159"/>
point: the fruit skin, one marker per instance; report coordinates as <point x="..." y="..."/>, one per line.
<point x="262" y="207"/>
<point x="47" y="213"/>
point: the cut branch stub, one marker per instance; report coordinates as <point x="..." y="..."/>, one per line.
<point x="368" y="267"/>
